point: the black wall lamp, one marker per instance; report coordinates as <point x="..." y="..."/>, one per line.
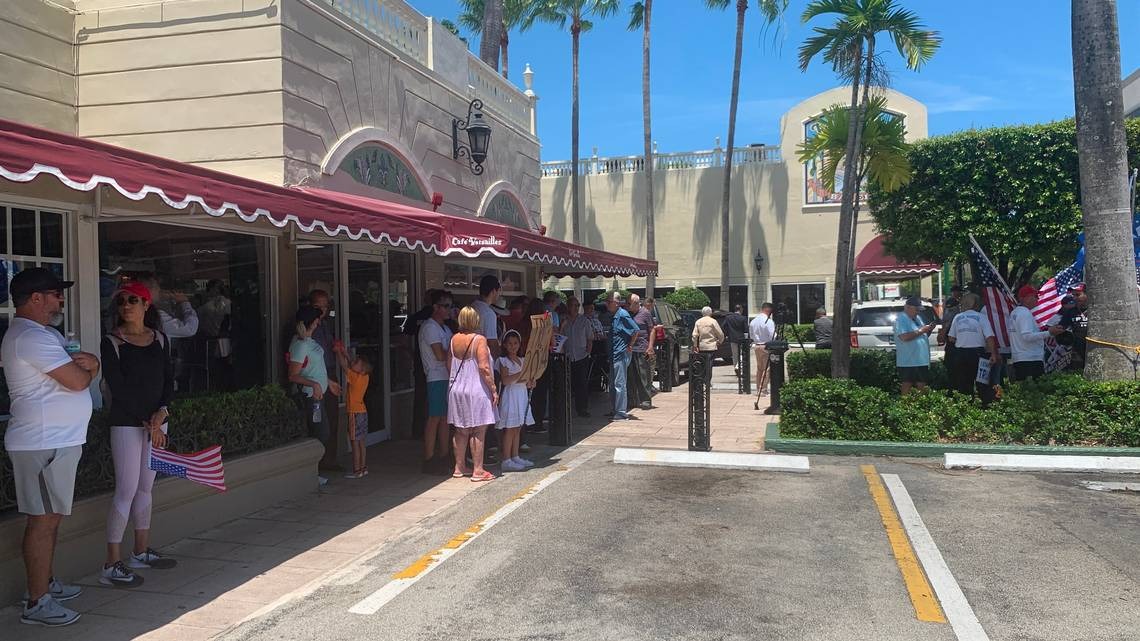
<point x="758" y="261"/>
<point x="478" y="137"/>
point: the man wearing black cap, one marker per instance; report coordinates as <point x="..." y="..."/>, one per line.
<point x="50" y="411"/>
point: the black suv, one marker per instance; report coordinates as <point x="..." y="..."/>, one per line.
<point x="680" y="335"/>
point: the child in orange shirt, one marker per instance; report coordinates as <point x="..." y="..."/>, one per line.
<point x="358" y="374"/>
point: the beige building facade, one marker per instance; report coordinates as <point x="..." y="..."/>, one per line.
<point x="779" y="212"/>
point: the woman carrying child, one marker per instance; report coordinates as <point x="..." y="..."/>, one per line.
<point x="357" y="373"/>
<point x="514" y="406"/>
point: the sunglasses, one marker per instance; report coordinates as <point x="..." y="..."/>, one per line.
<point x="120" y="301"/>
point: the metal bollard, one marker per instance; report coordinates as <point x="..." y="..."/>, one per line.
<point x="744" y="367"/>
<point x="664" y="353"/>
<point x="561" y="425"/>
<point x="776" y="351"/>
<point x="700" y="393"/>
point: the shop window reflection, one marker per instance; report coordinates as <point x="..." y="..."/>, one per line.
<point x="401" y="291"/>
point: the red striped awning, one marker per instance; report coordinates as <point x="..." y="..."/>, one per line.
<point x="873" y="259"/>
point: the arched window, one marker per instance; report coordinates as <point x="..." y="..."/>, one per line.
<point x="376" y="166"/>
<point x="505" y="209"/>
<point x="815" y="193"/>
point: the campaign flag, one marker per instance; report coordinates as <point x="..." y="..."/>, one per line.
<point x="995" y="294"/>
<point x="203" y="467"/>
<point x="1056" y="288"/>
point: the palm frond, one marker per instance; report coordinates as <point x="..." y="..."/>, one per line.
<point x="818" y="8"/>
<point x="471" y="15"/>
<point x="772" y="10"/>
<point x="636" y="16"/>
<point x="814" y="45"/>
<point x="602" y="8"/>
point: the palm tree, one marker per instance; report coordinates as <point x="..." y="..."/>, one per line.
<point x="492" y="30"/>
<point x="513" y="11"/>
<point x="574" y="12"/>
<point x="1114" y="313"/>
<point x="639" y="14"/>
<point x="771" y="10"/>
<point x="883" y="160"/>
<point x="849" y="47"/>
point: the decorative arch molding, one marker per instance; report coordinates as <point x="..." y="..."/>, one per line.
<point x="362" y="136"/>
<point x="501" y="191"/>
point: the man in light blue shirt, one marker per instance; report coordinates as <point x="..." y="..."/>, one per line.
<point x="912" y="347"/>
<point x="622" y="338"/>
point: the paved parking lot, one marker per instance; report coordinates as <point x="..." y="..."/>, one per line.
<point x="615" y="552"/>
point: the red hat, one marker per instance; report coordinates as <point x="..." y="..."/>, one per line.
<point x="136" y="288"/>
<point x="1026" y="290"/>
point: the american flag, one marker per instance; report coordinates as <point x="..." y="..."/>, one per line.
<point x="1054" y="289"/>
<point x="995" y="294"/>
<point x="203" y="467"/>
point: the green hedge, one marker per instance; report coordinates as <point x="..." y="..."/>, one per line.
<point x="687" y="298"/>
<point x="242" y="422"/>
<point x="805" y="331"/>
<point x="1058" y="410"/>
<point x="869" y="367"/>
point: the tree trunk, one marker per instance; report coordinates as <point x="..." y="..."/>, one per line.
<point x="726" y="197"/>
<point x="844" y="275"/>
<point x="863" y="157"/>
<point x="575" y="31"/>
<point x="492" y="33"/>
<point x="650" y="231"/>
<point x="503" y="42"/>
<point x="1110" y="272"/>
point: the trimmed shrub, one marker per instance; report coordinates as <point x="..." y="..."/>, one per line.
<point x="604" y="296"/>
<point x="804" y="331"/>
<point x="1057" y="410"/>
<point x="687" y="298"/>
<point x="869" y="367"/>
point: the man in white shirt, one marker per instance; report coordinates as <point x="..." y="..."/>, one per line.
<point x="435" y="345"/>
<point x="1027" y="340"/>
<point x="489" y="291"/>
<point x="579" y="343"/>
<point x="50" y="411"/>
<point x="761" y="330"/>
<point x="969" y="333"/>
<point x="183" y="326"/>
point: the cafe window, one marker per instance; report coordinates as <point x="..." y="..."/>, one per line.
<point x="223" y="275"/>
<point x="461" y="278"/>
<point x="505" y="209"/>
<point x="28" y="238"/>
<point x="401" y="296"/>
<point x="797" y="303"/>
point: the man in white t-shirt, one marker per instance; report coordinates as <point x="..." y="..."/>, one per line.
<point x="50" y="411"/>
<point x="435" y="345"/>
<point x="489" y="290"/>
<point x="1026" y="339"/>
<point x="761" y="330"/>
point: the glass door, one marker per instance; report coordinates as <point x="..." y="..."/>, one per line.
<point x="365" y="309"/>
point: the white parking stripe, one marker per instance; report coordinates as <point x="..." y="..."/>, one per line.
<point x="954" y="604"/>
<point x="406" y="578"/>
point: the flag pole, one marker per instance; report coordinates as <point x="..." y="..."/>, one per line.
<point x="1001" y="280"/>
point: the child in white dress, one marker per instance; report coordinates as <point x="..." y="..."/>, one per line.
<point x="514" y="404"/>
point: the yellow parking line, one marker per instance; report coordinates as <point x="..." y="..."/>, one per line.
<point x="926" y="606"/>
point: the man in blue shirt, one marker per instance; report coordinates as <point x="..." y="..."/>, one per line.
<point x="624" y="334"/>
<point x="912" y="347"/>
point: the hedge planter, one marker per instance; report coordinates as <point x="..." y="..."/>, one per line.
<point x="774" y="442"/>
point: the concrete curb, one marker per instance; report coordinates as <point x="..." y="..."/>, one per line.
<point x="715" y="460"/>
<point x="1042" y="463"/>
<point x="774" y="442"/>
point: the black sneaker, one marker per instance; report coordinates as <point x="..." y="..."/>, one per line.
<point x="538" y="428"/>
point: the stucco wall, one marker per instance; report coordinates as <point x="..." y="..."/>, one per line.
<point x="37" y="65"/>
<point x="767" y="213"/>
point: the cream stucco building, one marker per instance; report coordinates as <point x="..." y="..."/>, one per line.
<point x="778" y="212"/>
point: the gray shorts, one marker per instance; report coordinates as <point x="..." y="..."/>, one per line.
<point x="45" y="479"/>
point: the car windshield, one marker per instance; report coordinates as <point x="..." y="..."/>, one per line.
<point x="885" y="316"/>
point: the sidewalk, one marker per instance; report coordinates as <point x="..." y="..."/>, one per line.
<point x="240" y="568"/>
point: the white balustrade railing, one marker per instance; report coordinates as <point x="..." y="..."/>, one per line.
<point x="393" y="21"/>
<point x="497" y="93"/>
<point x="678" y="160"/>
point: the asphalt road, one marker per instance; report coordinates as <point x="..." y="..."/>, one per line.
<point x="629" y="553"/>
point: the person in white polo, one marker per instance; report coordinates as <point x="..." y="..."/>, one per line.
<point x="50" y="411"/>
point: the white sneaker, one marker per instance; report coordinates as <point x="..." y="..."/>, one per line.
<point x="119" y="576"/>
<point x="322" y="481"/>
<point x="47" y="611"/>
<point x="510" y="465"/>
<point x="60" y="591"/>
<point x="150" y="559"/>
<point x="523" y="462"/>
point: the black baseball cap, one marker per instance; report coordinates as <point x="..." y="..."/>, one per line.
<point x="307" y="314"/>
<point x="914" y="301"/>
<point x="36" y="279"/>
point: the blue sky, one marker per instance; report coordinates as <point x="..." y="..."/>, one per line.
<point x="1001" y="62"/>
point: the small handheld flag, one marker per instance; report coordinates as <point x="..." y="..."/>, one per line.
<point x="203" y="467"/>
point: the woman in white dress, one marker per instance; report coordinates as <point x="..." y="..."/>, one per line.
<point x="514" y="404"/>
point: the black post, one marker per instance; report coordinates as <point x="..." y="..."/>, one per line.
<point x="776" y="351"/>
<point x="699" y="398"/>
<point x="744" y="367"/>
<point x="561" y="425"/>
<point x="664" y="352"/>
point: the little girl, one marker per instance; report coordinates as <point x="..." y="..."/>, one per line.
<point x="514" y="406"/>
<point x="358" y="376"/>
